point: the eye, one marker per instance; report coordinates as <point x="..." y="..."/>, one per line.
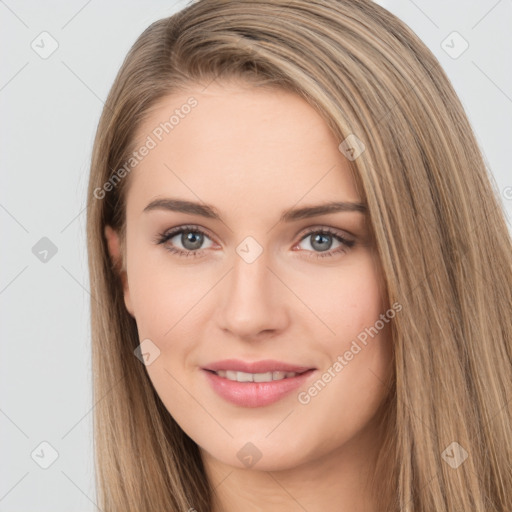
<point x="191" y="239"/>
<point x="321" y="240"/>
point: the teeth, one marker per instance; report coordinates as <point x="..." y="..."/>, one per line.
<point x="254" y="377"/>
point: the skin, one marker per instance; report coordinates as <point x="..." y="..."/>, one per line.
<point x="252" y="153"/>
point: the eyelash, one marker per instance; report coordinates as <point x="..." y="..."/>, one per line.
<point x="167" y="235"/>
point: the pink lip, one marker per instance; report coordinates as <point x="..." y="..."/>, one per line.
<point x="255" y="394"/>
<point x="267" y="365"/>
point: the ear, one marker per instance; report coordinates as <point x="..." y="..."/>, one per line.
<point x="118" y="259"/>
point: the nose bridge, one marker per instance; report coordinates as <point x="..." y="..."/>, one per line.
<point x="250" y="272"/>
<point x="250" y="278"/>
<point x="251" y="303"/>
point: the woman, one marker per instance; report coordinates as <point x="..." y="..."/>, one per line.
<point x="302" y="273"/>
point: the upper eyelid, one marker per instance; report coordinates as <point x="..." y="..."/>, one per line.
<point x="178" y="229"/>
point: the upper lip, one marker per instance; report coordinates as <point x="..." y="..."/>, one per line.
<point x="264" y="366"/>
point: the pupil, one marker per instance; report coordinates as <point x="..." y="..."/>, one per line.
<point x="189" y="238"/>
<point x="317" y="240"/>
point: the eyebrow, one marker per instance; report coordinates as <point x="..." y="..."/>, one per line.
<point x="290" y="215"/>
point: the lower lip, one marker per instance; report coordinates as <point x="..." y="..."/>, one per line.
<point x="255" y="394"/>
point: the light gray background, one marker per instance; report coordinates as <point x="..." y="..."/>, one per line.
<point x="49" y="112"/>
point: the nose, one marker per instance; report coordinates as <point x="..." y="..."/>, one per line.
<point x="254" y="301"/>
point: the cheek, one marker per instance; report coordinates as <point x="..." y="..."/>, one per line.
<point x="347" y="299"/>
<point x="358" y="351"/>
<point x="163" y="293"/>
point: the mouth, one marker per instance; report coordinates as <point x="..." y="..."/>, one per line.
<point x="255" y="367"/>
<point x="255" y="384"/>
<point x="255" y="377"/>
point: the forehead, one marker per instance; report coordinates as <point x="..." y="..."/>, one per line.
<point x="238" y="144"/>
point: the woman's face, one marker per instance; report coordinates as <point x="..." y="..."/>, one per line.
<point x="291" y="298"/>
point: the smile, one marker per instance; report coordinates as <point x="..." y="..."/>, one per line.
<point x="255" y="377"/>
<point x="254" y="393"/>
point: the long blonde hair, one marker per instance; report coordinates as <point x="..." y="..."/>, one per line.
<point x="439" y="229"/>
